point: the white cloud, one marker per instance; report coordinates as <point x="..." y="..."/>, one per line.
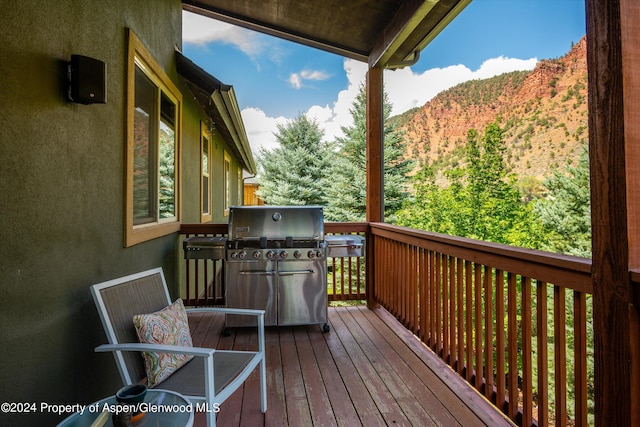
<point x="260" y="128"/>
<point x="496" y="66"/>
<point x="314" y="75"/>
<point x="201" y="30"/>
<point x="406" y="89"/>
<point x="295" y="79"/>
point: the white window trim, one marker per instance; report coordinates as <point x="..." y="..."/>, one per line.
<point x="205" y="135"/>
<point x="226" y="182"/>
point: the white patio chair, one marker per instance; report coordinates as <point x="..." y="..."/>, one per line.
<point x="210" y="377"/>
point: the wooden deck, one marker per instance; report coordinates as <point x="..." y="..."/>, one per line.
<point x="368" y="370"/>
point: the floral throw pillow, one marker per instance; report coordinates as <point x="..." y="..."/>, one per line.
<point x="168" y="326"/>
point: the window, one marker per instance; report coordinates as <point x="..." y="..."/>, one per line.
<point x="153" y="148"/>
<point x="227" y="183"/>
<point x="205" y="184"/>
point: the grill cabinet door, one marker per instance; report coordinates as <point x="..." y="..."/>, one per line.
<point x="302" y="292"/>
<point x="251" y="284"/>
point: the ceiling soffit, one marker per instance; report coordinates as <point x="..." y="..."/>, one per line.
<point x="384" y="33"/>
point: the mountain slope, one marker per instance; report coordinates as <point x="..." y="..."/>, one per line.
<point x="543" y="113"/>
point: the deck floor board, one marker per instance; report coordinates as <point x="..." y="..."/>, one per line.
<point x="368" y="370"/>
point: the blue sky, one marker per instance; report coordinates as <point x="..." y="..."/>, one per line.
<point x="276" y="80"/>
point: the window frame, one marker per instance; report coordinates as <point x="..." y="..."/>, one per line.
<point x="240" y="188"/>
<point x="206" y="142"/>
<point x="139" y="57"/>
<point x="226" y="183"/>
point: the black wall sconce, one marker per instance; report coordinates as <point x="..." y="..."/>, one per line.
<point x="86" y="80"/>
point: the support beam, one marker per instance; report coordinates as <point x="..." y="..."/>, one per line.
<point x="375" y="170"/>
<point x="614" y="400"/>
<point x="630" y="24"/>
<point x="375" y="146"/>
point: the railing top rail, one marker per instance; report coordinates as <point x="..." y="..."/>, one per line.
<point x="223" y="228"/>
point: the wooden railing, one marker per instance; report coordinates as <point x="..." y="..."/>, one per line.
<point x="204" y="279"/>
<point x="514" y="323"/>
<point x="499" y="316"/>
<point x="346" y="277"/>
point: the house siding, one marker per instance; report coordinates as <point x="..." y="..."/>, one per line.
<point x="62" y="186"/>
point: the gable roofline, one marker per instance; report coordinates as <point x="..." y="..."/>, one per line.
<point x="219" y="102"/>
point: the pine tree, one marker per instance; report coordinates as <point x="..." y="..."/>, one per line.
<point x="566" y="211"/>
<point x="347" y="188"/>
<point x="295" y="173"/>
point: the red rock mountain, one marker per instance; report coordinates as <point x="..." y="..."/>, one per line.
<point x="543" y="114"/>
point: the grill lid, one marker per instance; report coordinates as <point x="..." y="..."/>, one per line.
<point x="284" y="223"/>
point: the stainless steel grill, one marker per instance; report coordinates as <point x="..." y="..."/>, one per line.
<point x="344" y="245"/>
<point x="276" y="261"/>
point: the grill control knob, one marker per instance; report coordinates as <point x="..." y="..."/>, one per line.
<point x="283" y="254"/>
<point x="311" y="254"/>
<point x="271" y="254"/>
<point x="297" y="254"/>
<point x="319" y="254"/>
<point x="234" y="255"/>
<point x="256" y="254"/>
<point x="242" y="255"/>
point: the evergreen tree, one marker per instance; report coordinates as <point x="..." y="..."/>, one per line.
<point x="347" y="189"/>
<point x="566" y="211"/>
<point x="295" y="173"/>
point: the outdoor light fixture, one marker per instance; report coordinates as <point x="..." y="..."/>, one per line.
<point x="86" y="80"/>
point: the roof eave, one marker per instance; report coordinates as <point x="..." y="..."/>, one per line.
<point x="415" y="25"/>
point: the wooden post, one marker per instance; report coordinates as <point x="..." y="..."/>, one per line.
<point x="375" y="147"/>
<point x="375" y="170"/>
<point x="630" y="25"/>
<point x="611" y="54"/>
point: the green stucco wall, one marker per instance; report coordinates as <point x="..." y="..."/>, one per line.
<point x="62" y="182"/>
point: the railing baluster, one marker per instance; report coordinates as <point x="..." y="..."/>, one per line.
<point x="543" y="354"/>
<point x="461" y="325"/>
<point x="415" y="289"/>
<point x="580" y="356"/>
<point x="359" y="285"/>
<point x="512" y="376"/>
<point x="527" y="372"/>
<point x="452" y="313"/>
<point x="488" y="333"/>
<point x="477" y="284"/>
<point x="445" y="308"/>
<point x="187" y="266"/>
<point x="560" y="355"/>
<point x="500" y="345"/>
<point x="468" y="307"/>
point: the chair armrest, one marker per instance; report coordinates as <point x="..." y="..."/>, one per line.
<point x="245" y="311"/>
<point x="157" y="348"/>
